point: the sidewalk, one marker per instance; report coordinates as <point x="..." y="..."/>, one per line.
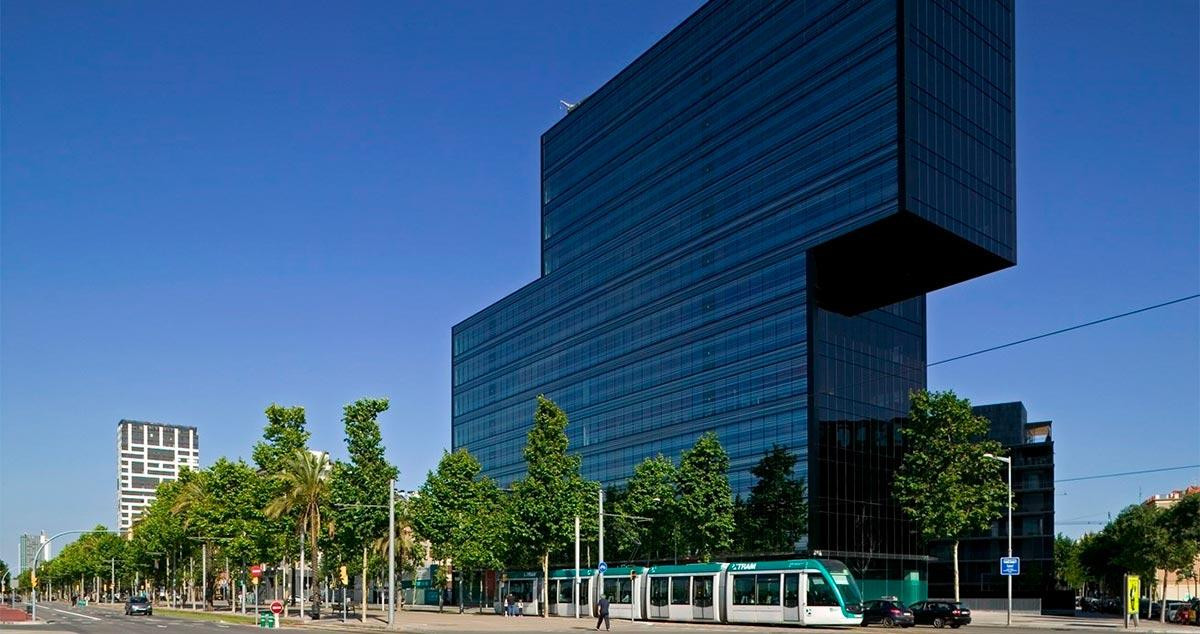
<point x="1081" y="621"/>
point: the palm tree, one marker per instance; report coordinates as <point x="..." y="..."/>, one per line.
<point x="304" y="476"/>
<point x="406" y="543"/>
<point x="192" y="495"/>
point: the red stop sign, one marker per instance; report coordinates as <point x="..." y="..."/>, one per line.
<point x="256" y="571"/>
<point x="277" y="607"/>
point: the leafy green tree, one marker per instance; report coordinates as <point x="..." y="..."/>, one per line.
<point x="1097" y="552"/>
<point x="776" y="513"/>
<point x="945" y="484"/>
<point x="221" y="506"/>
<point x="461" y="513"/>
<point x="304" y="480"/>
<point x="705" y="499"/>
<point x="1068" y="572"/>
<point x="552" y="493"/>
<point x="23" y="582"/>
<point x="649" y="493"/>
<point x="1182" y="523"/>
<point x="361" y="488"/>
<point x="285" y="433"/>
<point x="1176" y="528"/>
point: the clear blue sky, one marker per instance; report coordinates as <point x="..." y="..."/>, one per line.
<point x="208" y="208"/>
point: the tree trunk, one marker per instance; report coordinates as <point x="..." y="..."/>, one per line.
<point x="364" y="587"/>
<point x="954" y="549"/>
<point x="545" y="608"/>
<point x="481" y="592"/>
<point x="1162" y="615"/>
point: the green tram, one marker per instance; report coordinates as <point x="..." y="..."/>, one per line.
<point x="787" y="592"/>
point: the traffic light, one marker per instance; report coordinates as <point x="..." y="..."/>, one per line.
<point x="344" y="577"/>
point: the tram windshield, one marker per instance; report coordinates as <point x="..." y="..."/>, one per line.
<point x="844" y="581"/>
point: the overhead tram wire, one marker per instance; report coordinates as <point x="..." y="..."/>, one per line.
<point x="1026" y="340"/>
<point x="1128" y="473"/>
<point x="1067" y="329"/>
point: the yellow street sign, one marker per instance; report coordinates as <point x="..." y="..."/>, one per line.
<point x="254" y="580"/>
<point x="1134" y="592"/>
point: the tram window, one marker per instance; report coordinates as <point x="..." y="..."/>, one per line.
<point x="658" y="591"/>
<point x="819" y="592"/>
<point x="522" y="590"/>
<point x="768" y="589"/>
<point x="564" y="591"/>
<point x="583" y="592"/>
<point x="679" y="590"/>
<point x="743" y="589"/>
<point x="618" y="590"/>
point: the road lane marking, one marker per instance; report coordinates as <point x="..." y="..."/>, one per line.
<point x="47" y="607"/>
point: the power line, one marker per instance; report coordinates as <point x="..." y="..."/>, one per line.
<point x="1062" y="330"/>
<point x="1127" y="473"/>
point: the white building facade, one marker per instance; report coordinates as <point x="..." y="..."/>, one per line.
<point x="29" y="545"/>
<point x="148" y="454"/>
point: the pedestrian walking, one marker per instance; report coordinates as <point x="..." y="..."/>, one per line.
<point x="602" y="608"/>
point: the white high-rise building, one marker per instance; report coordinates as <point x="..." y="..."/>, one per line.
<point x="147" y="454"/>
<point x="29" y="547"/>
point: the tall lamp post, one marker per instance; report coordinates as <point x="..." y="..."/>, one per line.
<point x="391" y="615"/>
<point x="1007" y="461"/>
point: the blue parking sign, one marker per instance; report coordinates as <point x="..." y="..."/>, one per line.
<point x="603" y="567"/>
<point x="1010" y="566"/>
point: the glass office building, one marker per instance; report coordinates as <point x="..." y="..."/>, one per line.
<point x="738" y="232"/>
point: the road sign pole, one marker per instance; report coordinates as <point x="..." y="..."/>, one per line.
<point x="601" y="520"/>
<point x="1010" y="536"/>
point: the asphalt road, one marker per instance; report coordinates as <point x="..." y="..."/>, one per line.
<point x="112" y="621"/>
<point x="59" y="619"/>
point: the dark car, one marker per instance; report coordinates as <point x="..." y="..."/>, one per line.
<point x="888" y="611"/>
<point x="941" y="613"/>
<point x="138" y="605"/>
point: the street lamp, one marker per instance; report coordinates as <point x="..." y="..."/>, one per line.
<point x="1007" y="461"/>
<point x="391" y="616"/>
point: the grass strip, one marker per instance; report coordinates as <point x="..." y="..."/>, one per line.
<point x="226" y="617"/>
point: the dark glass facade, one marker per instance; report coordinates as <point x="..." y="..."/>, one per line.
<point x="737" y="236"/>
<point x="1031" y="447"/>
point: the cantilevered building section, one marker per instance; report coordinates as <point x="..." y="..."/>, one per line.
<point x="738" y="232"/>
<point x="147" y="454"/>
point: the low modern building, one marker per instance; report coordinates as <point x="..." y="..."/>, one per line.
<point x="1179" y="588"/>
<point x="28" y="546"/>
<point x="1031" y="448"/>
<point x="738" y="231"/>
<point x="148" y="454"/>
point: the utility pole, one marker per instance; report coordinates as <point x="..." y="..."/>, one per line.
<point x="301" y="593"/>
<point x="576" y="593"/>
<point x="391" y="554"/>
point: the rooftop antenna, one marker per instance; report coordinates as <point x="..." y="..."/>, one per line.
<point x="568" y="106"/>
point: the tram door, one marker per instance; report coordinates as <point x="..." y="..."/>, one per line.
<point x="791" y="597"/>
<point x="702" y="598"/>
<point x="660" y="588"/>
